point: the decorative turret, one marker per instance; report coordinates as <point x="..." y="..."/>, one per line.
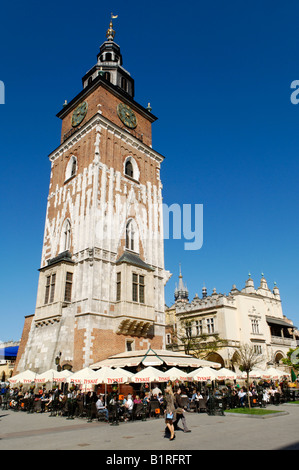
<point x="276" y="291"/>
<point x="263" y="284"/>
<point x="249" y="285"/>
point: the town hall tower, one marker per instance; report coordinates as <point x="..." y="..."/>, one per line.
<point x="102" y="276"/>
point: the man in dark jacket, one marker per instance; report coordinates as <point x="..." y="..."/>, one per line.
<point x="180" y="411"/>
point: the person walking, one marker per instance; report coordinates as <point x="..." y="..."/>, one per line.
<point x="180" y="411"/>
<point x="170" y="411"/>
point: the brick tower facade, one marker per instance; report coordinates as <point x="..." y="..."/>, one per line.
<point x="102" y="276"/>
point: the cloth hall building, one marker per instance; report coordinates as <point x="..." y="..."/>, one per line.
<point x="251" y="315"/>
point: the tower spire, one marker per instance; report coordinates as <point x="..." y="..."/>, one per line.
<point x="110" y="31"/>
<point x="109" y="65"/>
<point x="181" y="292"/>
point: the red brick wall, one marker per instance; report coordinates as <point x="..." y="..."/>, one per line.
<point x="23" y="343"/>
<point x="109" y="104"/>
<point x="106" y="343"/>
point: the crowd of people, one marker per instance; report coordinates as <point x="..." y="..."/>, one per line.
<point x="73" y="402"/>
<point x="171" y="401"/>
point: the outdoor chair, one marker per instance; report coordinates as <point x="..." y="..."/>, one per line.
<point x="201" y="405"/>
<point x="185" y="403"/>
<point x="5" y="403"/>
<point x="63" y="408"/>
<point x="101" y="414"/>
<point x="276" y="398"/>
<point x="80" y="409"/>
<point x="24" y="404"/>
<point x="92" y="411"/>
<point x="113" y="412"/>
<point x="193" y="406"/>
<point x="37" y="408"/>
<point x="215" y="406"/>
<point x="154" y="406"/>
<point x="31" y="404"/>
<point x="138" y="411"/>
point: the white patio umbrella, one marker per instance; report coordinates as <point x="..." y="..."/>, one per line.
<point x="225" y="374"/>
<point x="26" y="377"/>
<point x="149" y="374"/>
<point x="62" y="376"/>
<point x="126" y="373"/>
<point x="176" y="374"/>
<point x="108" y="376"/>
<point x="273" y="373"/>
<point x="84" y="377"/>
<point x="45" y="377"/>
<point x="203" y="374"/>
<point x="253" y="374"/>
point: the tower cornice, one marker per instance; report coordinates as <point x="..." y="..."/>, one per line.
<point x="115" y="90"/>
<point x="99" y="120"/>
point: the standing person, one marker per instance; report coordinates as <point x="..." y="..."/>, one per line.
<point x="180" y="412"/>
<point x="156" y="390"/>
<point x="170" y="411"/>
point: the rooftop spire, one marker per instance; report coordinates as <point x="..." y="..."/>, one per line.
<point x="181" y="292"/>
<point x="110" y="31"/>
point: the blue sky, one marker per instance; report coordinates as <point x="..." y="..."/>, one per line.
<point x="217" y="75"/>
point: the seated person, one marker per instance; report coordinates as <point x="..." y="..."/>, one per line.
<point x="101" y="409"/>
<point x="137" y="400"/>
<point x="146" y="399"/>
<point x="160" y="399"/>
<point x="129" y="405"/>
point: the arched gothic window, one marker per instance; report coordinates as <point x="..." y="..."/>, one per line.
<point x="71" y="168"/>
<point x="131" y="168"/>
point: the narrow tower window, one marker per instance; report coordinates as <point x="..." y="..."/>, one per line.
<point x="130" y="236"/>
<point x="124" y="83"/>
<point x="118" y="286"/>
<point x="67" y="235"/>
<point x="68" y="287"/>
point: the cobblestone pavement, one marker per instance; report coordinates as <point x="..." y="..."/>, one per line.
<point x="22" y="431"/>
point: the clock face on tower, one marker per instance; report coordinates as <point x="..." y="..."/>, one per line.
<point x="127" y="115"/>
<point x="79" y="114"/>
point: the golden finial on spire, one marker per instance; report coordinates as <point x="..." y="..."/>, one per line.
<point x="110" y="32"/>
